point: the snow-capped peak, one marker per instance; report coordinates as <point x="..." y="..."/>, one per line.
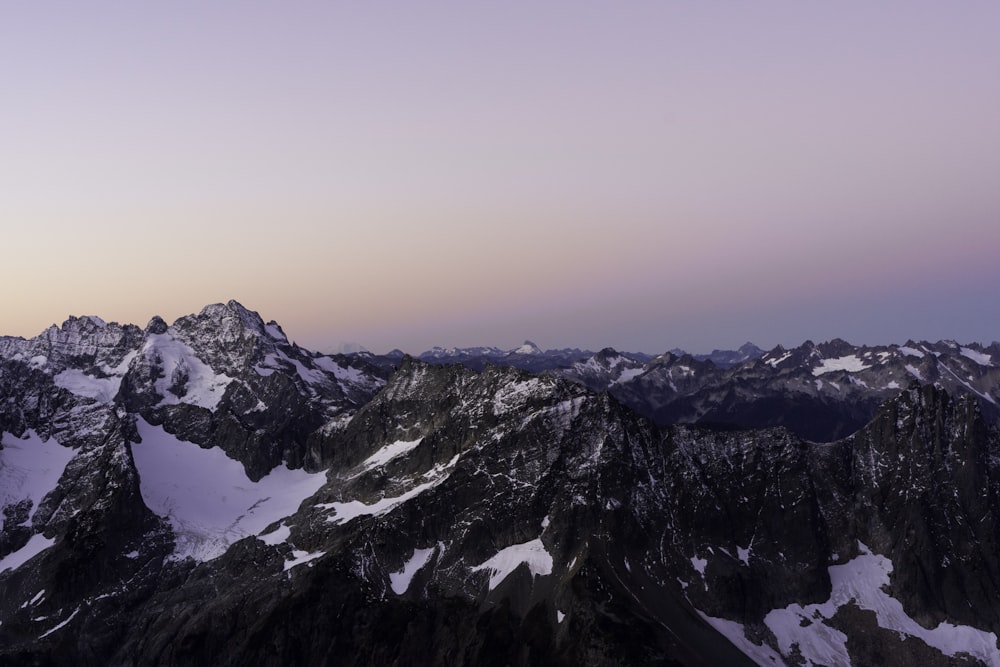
<point x="527" y="348"/>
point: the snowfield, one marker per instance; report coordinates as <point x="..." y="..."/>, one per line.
<point x="204" y="387"/>
<point x="36" y="545"/>
<point x="352" y="509"/>
<point x="978" y="357"/>
<point x="400" y="581"/>
<point x="207" y="497"/>
<point x="102" y="390"/>
<point x="389" y="452"/>
<point x="859" y="582"/>
<point x="533" y="554"/>
<point x="30" y="468"/>
<point x="851" y="363"/>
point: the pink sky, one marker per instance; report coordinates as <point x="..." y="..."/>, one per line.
<point x="644" y="176"/>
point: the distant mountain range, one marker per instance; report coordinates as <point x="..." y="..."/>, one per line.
<point x="530" y="357"/>
<point x="208" y="492"/>
<point x="819" y="391"/>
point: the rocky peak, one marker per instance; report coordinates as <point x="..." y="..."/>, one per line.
<point x="667" y="357"/>
<point x="527" y="348"/>
<point x="229" y="322"/>
<point x="275" y="331"/>
<point x="228" y="337"/>
<point x="925" y="415"/>
<point x="606" y="355"/>
<point x="80" y="341"/>
<point x="835" y="347"/>
<point x="729" y="358"/>
<point x="156" y="325"/>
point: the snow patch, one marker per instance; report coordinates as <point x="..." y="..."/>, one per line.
<point x="308" y="375"/>
<point x="203" y="387"/>
<point x="300" y="557"/>
<point x="349" y="374"/>
<point x="911" y="352"/>
<point x="275" y="332"/>
<point x="346" y="511"/>
<point x="851" y="363"/>
<point x="819" y="643"/>
<point x="969" y="386"/>
<point x="29" y="468"/>
<point x="280" y="361"/>
<point x="861" y="581"/>
<point x="36" y="545"/>
<point x="773" y="363"/>
<point x="734" y="632"/>
<point x="389" y="452"/>
<point x="979" y="357"/>
<point x="914" y="372"/>
<point x="400" y="581"/>
<point x="533" y="554"/>
<point x="744" y="555"/>
<point x="60" y="625"/>
<point x="276" y="536"/>
<point x="629" y="374"/>
<point x="699" y="564"/>
<point x="77" y="382"/>
<point x="207" y="497"/>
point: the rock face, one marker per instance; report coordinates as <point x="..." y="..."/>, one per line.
<point x="209" y="493"/>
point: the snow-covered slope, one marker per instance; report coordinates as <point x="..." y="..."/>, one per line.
<point x="206" y="496"/>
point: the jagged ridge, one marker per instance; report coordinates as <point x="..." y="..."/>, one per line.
<point x="461" y="517"/>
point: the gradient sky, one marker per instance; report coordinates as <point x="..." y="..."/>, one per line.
<point x="640" y="175"/>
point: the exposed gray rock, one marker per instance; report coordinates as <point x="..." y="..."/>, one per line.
<point x="487" y="517"/>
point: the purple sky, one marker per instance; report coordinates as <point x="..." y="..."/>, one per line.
<point x="641" y="175"/>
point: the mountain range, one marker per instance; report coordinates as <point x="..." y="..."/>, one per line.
<point x="208" y="492"/>
<point x="821" y="392"/>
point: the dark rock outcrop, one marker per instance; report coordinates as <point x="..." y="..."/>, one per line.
<point x="475" y="517"/>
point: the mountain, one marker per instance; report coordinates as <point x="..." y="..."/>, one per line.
<point x="527" y="356"/>
<point x="209" y="493"/>
<point x="726" y="358"/>
<point x="531" y="357"/>
<point x="821" y="391"/>
<point x="604" y="369"/>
